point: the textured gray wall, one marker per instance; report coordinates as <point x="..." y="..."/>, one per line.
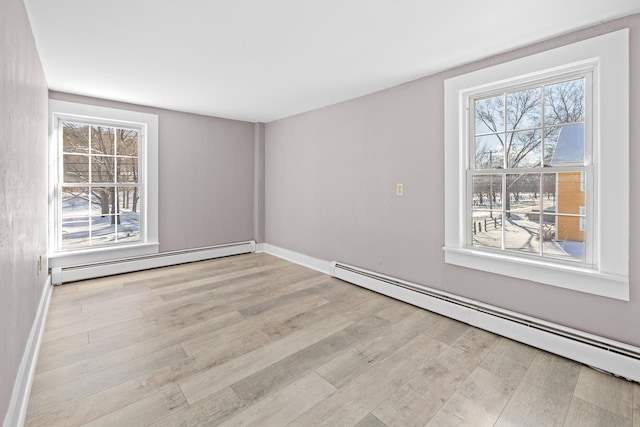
<point x="205" y="174"/>
<point x="331" y="176"/>
<point x="23" y="189"/>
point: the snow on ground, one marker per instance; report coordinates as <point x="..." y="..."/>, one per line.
<point x="83" y="226"/>
<point x="574" y="249"/>
<point x="521" y="235"/>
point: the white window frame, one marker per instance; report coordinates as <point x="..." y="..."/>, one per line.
<point x="583" y="71"/>
<point x="60" y="111"/>
<point x="608" y="272"/>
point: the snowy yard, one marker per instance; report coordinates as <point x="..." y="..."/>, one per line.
<point x="84" y="225"/>
<point x="522" y="235"/>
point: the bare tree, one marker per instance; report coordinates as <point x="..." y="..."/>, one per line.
<point x="515" y="128"/>
<point x="106" y="144"/>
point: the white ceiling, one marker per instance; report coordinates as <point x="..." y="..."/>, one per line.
<point x="261" y="60"/>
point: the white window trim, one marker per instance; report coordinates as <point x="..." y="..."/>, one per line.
<point x="149" y="158"/>
<point x="610" y="275"/>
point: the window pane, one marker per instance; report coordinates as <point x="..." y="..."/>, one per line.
<point x="564" y="102"/>
<point x="489" y="115"/>
<point x="75" y="168"/>
<point x="521" y="234"/>
<point x="524" y="109"/>
<point x="487" y="192"/>
<point x="75" y="201"/>
<point x="127" y="142"/>
<point x="569" y="229"/>
<point x="75" y="232"/>
<point x="102" y="168"/>
<point x="103" y="230"/>
<point x="549" y="192"/>
<point x="564" y="145"/>
<point x="489" y="152"/>
<point x="75" y="138"/>
<point x="129" y="228"/>
<point x="523" y="192"/>
<point x="571" y="194"/>
<point x="524" y="149"/>
<point x="127" y="169"/>
<point x="102" y="200"/>
<point x="128" y="223"/>
<point x="570" y="240"/>
<point x="129" y="199"/>
<point x="550" y="136"/>
<point x="486" y="231"/>
<point x="102" y="140"/>
<point x="120" y="220"/>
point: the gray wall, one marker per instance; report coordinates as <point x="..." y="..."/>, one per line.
<point x="258" y="183"/>
<point x="23" y="189"/>
<point x="330" y="193"/>
<point x="205" y="174"/>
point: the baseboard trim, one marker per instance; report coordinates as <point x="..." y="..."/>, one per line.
<point x="617" y="358"/>
<point x="260" y="248"/>
<point x="126" y="265"/>
<point x="22" y="387"/>
<point x="611" y="356"/>
<point x="298" y="258"/>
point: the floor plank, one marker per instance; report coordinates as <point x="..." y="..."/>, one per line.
<point x="212" y="411"/>
<point x="67" y="388"/>
<point x="256" y="340"/>
<point x="417" y="401"/>
<point x="350" y="365"/>
<point x="585" y="414"/>
<point x="605" y="391"/>
<point x="544" y="395"/>
<point x="354" y="400"/>
<point x="636" y="405"/>
<point x="142" y="412"/>
<point x="370" y="420"/>
<point x="254" y="387"/>
<point x="479" y="401"/>
<point x="204" y="383"/>
<point x="286" y="404"/>
<point x="483" y="396"/>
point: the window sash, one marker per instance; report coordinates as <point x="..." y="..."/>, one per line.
<point x="89" y="183"/>
<point x="586" y="216"/>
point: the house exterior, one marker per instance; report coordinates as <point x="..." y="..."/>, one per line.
<point x="570" y="185"/>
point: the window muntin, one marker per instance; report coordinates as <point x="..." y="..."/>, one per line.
<point x="529" y="161"/>
<point x="100" y="189"/>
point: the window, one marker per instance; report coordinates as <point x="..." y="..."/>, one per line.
<point x="536" y="167"/>
<point x="528" y="160"/>
<point x="104" y="183"/>
<point x="99" y="186"/>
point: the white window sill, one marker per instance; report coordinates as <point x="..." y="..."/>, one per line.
<point x="576" y="278"/>
<point x="94" y="255"/>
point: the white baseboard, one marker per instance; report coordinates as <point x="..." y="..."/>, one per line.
<point x="602" y="353"/>
<point x="260" y="248"/>
<point x="298" y="258"/>
<point x="22" y="386"/>
<point x="127" y="265"/>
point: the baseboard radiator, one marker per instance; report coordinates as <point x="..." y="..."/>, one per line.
<point x="614" y="357"/>
<point x="74" y="273"/>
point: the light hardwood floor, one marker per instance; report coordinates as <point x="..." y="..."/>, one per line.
<point x="256" y="340"/>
